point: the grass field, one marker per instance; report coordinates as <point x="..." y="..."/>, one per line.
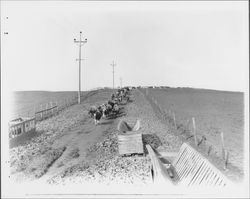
<point x="24" y="103"/>
<point x="214" y="112"/>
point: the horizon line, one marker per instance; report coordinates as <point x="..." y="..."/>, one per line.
<point x="106" y="87"/>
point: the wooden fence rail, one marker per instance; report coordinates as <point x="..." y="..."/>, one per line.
<point x="46" y="113"/>
<point x="189" y="168"/>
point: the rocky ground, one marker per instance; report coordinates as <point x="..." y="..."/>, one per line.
<point x="61" y="153"/>
<point x="71" y="149"/>
<point x="108" y="166"/>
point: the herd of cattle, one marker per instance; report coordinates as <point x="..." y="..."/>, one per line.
<point x="111" y="108"/>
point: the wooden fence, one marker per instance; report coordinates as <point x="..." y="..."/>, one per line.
<point x="49" y="109"/>
<point x="43" y="114"/>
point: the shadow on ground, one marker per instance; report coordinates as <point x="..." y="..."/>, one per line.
<point x="151" y="139"/>
<point x="23" y="138"/>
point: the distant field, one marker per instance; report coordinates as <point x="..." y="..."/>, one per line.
<point x="23" y="103"/>
<point x="214" y="111"/>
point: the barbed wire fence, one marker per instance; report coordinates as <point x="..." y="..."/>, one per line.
<point x="177" y="127"/>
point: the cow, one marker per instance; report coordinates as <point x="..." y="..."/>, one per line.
<point x="111" y="103"/>
<point x="97" y="117"/>
<point x="120" y="98"/>
<point x="99" y="108"/>
<point x="115" y="109"/>
<point x="92" y="111"/>
<point x="107" y="110"/>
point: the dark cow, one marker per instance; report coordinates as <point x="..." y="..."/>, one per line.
<point x="97" y="117"/>
<point x="111" y="103"/>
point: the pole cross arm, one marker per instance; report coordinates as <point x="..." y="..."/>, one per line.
<point x="82" y="42"/>
<point x="79" y="59"/>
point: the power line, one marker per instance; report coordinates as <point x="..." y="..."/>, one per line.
<point x="80" y="42"/>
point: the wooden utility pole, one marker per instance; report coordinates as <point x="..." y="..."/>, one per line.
<point x="80" y="42"/>
<point x="121" y="81"/>
<point x="113" y="65"/>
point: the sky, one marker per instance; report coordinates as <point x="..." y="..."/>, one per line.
<point x="201" y="44"/>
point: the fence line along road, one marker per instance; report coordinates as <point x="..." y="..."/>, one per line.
<point x="172" y="120"/>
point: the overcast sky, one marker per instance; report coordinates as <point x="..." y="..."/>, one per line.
<point x="196" y="44"/>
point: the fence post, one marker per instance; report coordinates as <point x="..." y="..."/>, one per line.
<point x="35" y="112"/>
<point x="209" y="150"/>
<point x="226" y="159"/>
<point x="187" y="124"/>
<point x="223" y="146"/>
<point x="52" y="109"/>
<point x="56" y="107"/>
<point x="194" y="128"/>
<point x="60" y="104"/>
<point x="41" y="107"/>
<point x="174" y="121"/>
<point x="46" y="111"/>
<point x="159" y="106"/>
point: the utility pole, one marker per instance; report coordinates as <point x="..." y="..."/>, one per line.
<point x="121" y="81"/>
<point x="80" y="42"/>
<point x="113" y="65"/>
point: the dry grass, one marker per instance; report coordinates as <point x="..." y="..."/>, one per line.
<point x="37" y="164"/>
<point x="46" y="161"/>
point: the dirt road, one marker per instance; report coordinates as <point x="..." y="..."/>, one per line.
<point x="73" y="130"/>
<point x="70" y="148"/>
